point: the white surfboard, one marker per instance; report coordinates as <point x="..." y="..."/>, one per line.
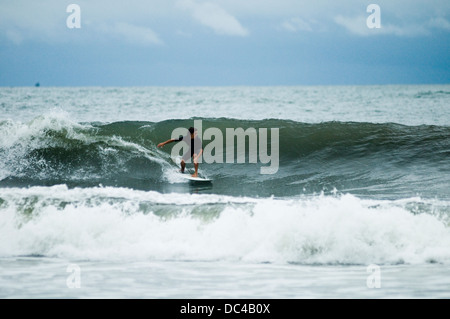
<point x="196" y="179"/>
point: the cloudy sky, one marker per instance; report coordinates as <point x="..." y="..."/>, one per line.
<point x="224" y="42"/>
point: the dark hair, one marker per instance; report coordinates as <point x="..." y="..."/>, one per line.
<point x="191" y="130"/>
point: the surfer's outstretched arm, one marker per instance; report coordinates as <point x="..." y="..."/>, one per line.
<point x="171" y="141"/>
<point x="167" y="142"/>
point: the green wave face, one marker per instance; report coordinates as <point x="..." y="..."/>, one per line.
<point x="362" y="158"/>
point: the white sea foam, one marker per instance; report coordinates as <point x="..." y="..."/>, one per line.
<point x="16" y="132"/>
<point x="173" y="175"/>
<point x="18" y="139"/>
<point x="110" y="224"/>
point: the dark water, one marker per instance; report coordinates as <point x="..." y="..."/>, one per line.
<point x="382" y="160"/>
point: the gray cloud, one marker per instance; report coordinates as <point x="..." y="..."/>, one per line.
<point x="213" y="16"/>
<point x="143" y="21"/>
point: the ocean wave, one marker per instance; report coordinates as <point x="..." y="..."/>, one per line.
<point x="431" y="94"/>
<point x="367" y="158"/>
<point x="105" y="223"/>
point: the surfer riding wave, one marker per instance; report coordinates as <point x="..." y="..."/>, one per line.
<point x="195" y="149"/>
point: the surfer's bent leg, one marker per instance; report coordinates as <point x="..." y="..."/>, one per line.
<point x="195" y="165"/>
<point x="183" y="161"/>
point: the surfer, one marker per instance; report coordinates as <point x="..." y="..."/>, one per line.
<point x="195" y="148"/>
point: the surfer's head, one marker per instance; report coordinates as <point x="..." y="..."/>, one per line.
<point x="192" y="130"/>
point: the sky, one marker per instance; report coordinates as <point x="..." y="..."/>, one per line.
<point x="224" y="42"/>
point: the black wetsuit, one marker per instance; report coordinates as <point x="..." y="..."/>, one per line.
<point x="195" y="145"/>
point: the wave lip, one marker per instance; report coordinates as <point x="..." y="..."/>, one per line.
<point x="111" y="224"/>
<point x="53" y="149"/>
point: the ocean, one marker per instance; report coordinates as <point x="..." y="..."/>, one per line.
<point x="357" y="204"/>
